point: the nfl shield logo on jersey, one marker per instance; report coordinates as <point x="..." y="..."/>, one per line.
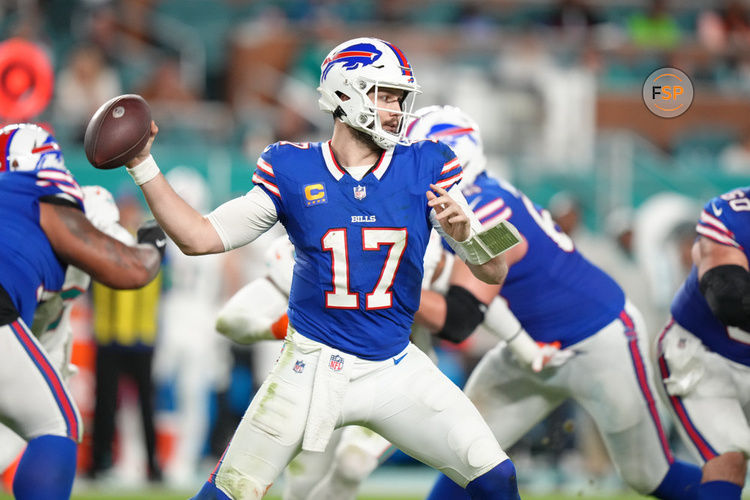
<point x="299" y="366"/>
<point x="360" y="192"/>
<point x="336" y="363"/>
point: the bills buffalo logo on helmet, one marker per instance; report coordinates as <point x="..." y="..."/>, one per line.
<point x="450" y="133"/>
<point x="353" y="57"/>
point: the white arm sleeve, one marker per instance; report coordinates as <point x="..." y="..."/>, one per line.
<point x="241" y="220"/>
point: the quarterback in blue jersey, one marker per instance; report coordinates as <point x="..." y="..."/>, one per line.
<point x="704" y="351"/>
<point x="553" y="298"/>
<point x="44" y="229"/>
<point x="359" y="210"/>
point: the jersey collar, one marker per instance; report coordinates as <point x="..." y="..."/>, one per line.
<point x="338" y="172"/>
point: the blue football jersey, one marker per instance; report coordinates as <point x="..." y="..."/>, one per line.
<point x="555" y="293"/>
<point x="725" y="220"/>
<point x="359" y="244"/>
<point x="29" y="266"/>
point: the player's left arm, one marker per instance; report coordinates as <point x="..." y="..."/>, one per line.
<point x="724" y="281"/>
<point x="482" y="250"/>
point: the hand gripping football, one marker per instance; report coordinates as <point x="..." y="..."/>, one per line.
<point x="118" y="131"/>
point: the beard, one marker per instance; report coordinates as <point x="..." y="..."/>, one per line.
<point x="366" y="140"/>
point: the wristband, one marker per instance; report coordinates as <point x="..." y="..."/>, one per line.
<point x="144" y="171"/>
<point x="482" y="247"/>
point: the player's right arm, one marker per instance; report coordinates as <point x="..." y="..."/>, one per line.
<point x="192" y="232"/>
<point x="233" y="224"/>
<point x="77" y="242"/>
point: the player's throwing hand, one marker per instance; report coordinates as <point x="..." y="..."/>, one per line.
<point x="450" y="215"/>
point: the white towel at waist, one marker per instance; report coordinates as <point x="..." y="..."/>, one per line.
<point x="332" y="375"/>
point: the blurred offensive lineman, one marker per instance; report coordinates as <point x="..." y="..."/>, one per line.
<point x="44" y="229"/>
<point x="558" y="298"/>
<point x="359" y="210"/>
<point x="51" y="324"/>
<point x="704" y="351"/>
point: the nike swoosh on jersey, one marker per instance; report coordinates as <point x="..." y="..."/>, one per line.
<point x="717" y="211"/>
<point x="399" y="359"/>
<point x="161" y="243"/>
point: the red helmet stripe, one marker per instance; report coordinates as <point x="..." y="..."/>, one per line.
<point x="5" y="140"/>
<point x="46" y="148"/>
<point x="405" y="66"/>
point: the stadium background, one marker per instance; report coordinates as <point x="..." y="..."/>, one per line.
<point x="554" y="85"/>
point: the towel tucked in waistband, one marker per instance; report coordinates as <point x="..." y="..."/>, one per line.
<point x="332" y="376"/>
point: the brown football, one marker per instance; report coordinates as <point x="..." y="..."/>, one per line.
<point x="118" y="131"/>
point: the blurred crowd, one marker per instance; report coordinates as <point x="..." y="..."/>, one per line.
<point x="231" y="76"/>
<point x="241" y="73"/>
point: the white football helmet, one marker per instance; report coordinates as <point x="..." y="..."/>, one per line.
<point x="26" y="146"/>
<point x="455" y="128"/>
<point x="351" y="71"/>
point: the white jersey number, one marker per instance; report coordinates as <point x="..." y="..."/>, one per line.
<point x="334" y="241"/>
<point x="737" y="200"/>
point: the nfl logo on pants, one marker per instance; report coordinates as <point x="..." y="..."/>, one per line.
<point x="336" y="363"/>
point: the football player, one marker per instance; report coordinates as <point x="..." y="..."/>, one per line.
<point x="704" y="351"/>
<point x="557" y="298"/>
<point x="44" y="229"/>
<point x="359" y="210"/>
<point x="51" y="324"/>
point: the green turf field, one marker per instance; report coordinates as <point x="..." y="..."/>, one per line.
<point x="157" y="494"/>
